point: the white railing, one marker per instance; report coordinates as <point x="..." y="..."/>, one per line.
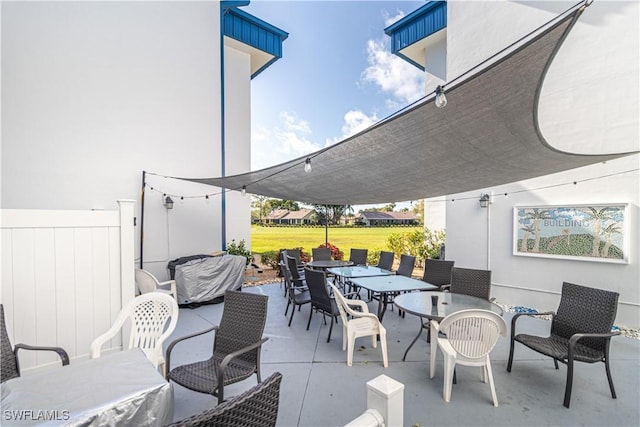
<point x="385" y="404"/>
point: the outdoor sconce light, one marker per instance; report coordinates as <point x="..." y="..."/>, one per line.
<point x="307" y="165"/>
<point x="168" y="202"/>
<point x="243" y="192"/>
<point x="485" y="201"/>
<point x="441" y="99"/>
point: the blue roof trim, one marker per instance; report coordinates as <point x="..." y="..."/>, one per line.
<point x="419" y="24"/>
<point x="253" y="32"/>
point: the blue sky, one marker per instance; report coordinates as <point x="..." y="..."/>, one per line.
<point x="336" y="76"/>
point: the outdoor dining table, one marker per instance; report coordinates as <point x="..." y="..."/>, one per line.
<point x="420" y="304"/>
<point x="325" y="264"/>
<point x="385" y="285"/>
<point x="344" y="275"/>
<point x="122" y="388"/>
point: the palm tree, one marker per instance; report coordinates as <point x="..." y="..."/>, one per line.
<point x="608" y="231"/>
<point x="527" y="232"/>
<point x="598" y="216"/>
<point x="536" y="215"/>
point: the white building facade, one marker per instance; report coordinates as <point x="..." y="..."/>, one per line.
<point x="95" y="93"/>
<point x="589" y="104"/>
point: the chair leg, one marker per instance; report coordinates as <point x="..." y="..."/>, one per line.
<point x="383" y="346"/>
<point x="350" y="345"/>
<point x="567" y="389"/>
<point x="293" y="310"/>
<point x="449" y="367"/>
<point x="434" y="349"/>
<point x="510" y="355"/>
<point x="287" y="309"/>
<point x="344" y="338"/>
<point x="309" y="321"/>
<point x="491" y="383"/>
<point x="330" y="329"/>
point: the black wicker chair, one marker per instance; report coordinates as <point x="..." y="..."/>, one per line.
<point x="297" y="290"/>
<point x="386" y="260"/>
<point x="9" y="364"/>
<point x="236" y="347"/>
<point x="256" y="407"/>
<point x="469" y="281"/>
<point x="358" y="256"/>
<point x="437" y="272"/>
<point x="321" y="301"/>
<point x="321" y="254"/>
<point x="580" y="331"/>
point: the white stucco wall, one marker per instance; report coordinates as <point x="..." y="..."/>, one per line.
<point x="589" y="103"/>
<point x="93" y="93"/>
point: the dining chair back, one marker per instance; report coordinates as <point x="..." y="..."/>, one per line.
<point x="152" y="318"/>
<point x="358" y="256"/>
<point x="321" y="254"/>
<point x="437" y="272"/>
<point x="407" y="263"/>
<point x="466" y="338"/>
<point x="469" y="281"/>
<point x="386" y="260"/>
<point x="296" y="288"/>
<point x="147" y="282"/>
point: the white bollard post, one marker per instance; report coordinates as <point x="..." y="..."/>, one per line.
<point x="386" y="395"/>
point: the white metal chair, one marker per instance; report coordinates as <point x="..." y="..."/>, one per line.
<point x="469" y="336"/>
<point x="147" y="282"/>
<point x="362" y="324"/>
<point x="148" y="315"/>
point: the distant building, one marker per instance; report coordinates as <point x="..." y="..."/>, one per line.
<point x="284" y="216"/>
<point x="372" y="218"/>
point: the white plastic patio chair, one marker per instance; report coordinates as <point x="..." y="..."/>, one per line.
<point x="148" y="314"/>
<point x="362" y="324"/>
<point x="147" y="282"/>
<point x="469" y="336"/>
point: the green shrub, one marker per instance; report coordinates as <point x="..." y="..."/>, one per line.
<point x="234" y="248"/>
<point x="270" y="258"/>
<point x="421" y="244"/>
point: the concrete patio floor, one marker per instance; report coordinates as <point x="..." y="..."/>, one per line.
<point x="319" y="389"/>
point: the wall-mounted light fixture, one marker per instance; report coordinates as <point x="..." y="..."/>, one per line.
<point x="168" y="202"/>
<point x="485" y="200"/>
<point x="307" y="165"/>
<point x="441" y="99"/>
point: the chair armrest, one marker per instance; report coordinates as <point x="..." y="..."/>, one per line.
<point x="59" y="350"/>
<point x="229" y="357"/>
<point x="576" y="337"/>
<point x="358" y="303"/>
<point x="445" y="288"/>
<point x="171" y="284"/>
<point x="518" y="315"/>
<point x="178" y="340"/>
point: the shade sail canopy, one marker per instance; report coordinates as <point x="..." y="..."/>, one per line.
<point x="487" y="135"/>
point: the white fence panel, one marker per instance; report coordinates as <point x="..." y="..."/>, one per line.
<point x="65" y="276"/>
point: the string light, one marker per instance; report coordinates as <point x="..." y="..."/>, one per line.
<point x="307" y="165"/>
<point x="441" y="99"/>
<point x="243" y="192"/>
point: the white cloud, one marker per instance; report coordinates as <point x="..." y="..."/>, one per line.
<point x="392" y="74"/>
<point x="354" y="121"/>
<point x="287" y="140"/>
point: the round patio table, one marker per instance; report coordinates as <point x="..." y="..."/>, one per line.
<point x="419" y="304"/>
<point x="323" y="265"/>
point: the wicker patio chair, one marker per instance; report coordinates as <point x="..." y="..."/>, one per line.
<point x="386" y="260"/>
<point x="9" y="364"/>
<point x="236" y="347"/>
<point x="256" y="407"/>
<point x="437" y="272"/>
<point x="321" y="301"/>
<point x="297" y="290"/>
<point x="321" y="254"/>
<point x="358" y="256"/>
<point x="469" y="281"/>
<point x="580" y="331"/>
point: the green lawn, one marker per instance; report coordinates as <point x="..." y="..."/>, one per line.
<point x="265" y="239"/>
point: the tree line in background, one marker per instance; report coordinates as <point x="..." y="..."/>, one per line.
<point x="262" y="206"/>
